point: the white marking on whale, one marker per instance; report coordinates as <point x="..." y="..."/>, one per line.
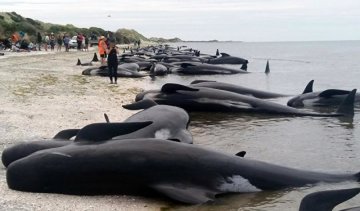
<point x="162" y="134"/>
<point x="61" y="154"/>
<point x="237" y="184"/>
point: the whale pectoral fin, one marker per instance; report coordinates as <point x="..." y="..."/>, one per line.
<point x="186" y="194"/>
<point x="331" y="92"/>
<point x="309" y="87"/>
<point x="171" y="88"/>
<point x="106" y="131"/>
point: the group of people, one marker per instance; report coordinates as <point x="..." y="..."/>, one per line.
<point x="52" y="41"/>
<point x="49" y="39"/>
<point x="18" y="41"/>
<point x="108" y="53"/>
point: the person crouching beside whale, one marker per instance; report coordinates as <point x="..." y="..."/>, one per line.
<point x="113" y="62"/>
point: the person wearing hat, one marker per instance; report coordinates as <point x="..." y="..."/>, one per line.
<point x="102" y="50"/>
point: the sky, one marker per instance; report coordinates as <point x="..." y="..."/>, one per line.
<point x="224" y="20"/>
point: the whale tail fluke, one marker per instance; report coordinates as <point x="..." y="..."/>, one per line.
<point x="347" y="106"/>
<point x="78" y="62"/>
<point x="267" y="68"/>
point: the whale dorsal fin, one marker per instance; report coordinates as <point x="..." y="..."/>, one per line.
<point x="309" y="87"/>
<point x="95" y="58"/>
<point x="78" y="62"/>
<point x="106" y="118"/>
<point x="327" y="200"/>
<point x="331" y="92"/>
<point x="241" y="154"/>
<point x="188" y="194"/>
<point x="267" y="68"/>
<point x="200" y="81"/>
<point x="347" y="106"/>
<point x="171" y="88"/>
<point x="224" y="54"/>
<point x="106" y="131"/>
<point x="141" y="104"/>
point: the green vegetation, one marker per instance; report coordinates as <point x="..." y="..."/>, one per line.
<point x="11" y="22"/>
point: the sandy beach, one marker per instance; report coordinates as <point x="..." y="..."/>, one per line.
<point x="43" y="93"/>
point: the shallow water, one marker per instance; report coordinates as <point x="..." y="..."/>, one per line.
<point x="313" y="143"/>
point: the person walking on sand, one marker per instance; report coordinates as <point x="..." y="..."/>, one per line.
<point x="66" y="42"/>
<point x="102" y="50"/>
<point x="113" y="62"/>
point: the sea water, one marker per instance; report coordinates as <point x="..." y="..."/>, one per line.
<point x="325" y="144"/>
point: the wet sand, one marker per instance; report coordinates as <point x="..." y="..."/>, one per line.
<point x="44" y="92"/>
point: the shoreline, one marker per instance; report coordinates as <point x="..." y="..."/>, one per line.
<point x="43" y="93"/>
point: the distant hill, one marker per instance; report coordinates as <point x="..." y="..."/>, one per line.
<point x="11" y="22"/>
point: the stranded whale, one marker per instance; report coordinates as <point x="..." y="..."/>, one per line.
<point x="183" y="172"/>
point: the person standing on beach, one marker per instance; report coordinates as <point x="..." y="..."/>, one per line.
<point x="79" y="40"/>
<point x="39" y="40"/>
<point x="113" y="62"/>
<point x="86" y="48"/>
<point x="66" y="42"/>
<point x="52" y="41"/>
<point x="46" y="42"/>
<point x="102" y="47"/>
<point x="59" y="42"/>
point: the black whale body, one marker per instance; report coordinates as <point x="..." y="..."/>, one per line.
<point x="214" y="100"/>
<point x="104" y="71"/>
<point x="227" y="59"/>
<point x="236" y="88"/>
<point x="329" y="97"/>
<point x="183" y="172"/>
<point x="92" y="132"/>
<point x="156" y="121"/>
<point x="196" y="68"/>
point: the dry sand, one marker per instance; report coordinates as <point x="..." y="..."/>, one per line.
<point x="44" y="92"/>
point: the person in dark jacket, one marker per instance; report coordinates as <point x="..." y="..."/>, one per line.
<point x="113" y="62"/>
<point x="39" y="40"/>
